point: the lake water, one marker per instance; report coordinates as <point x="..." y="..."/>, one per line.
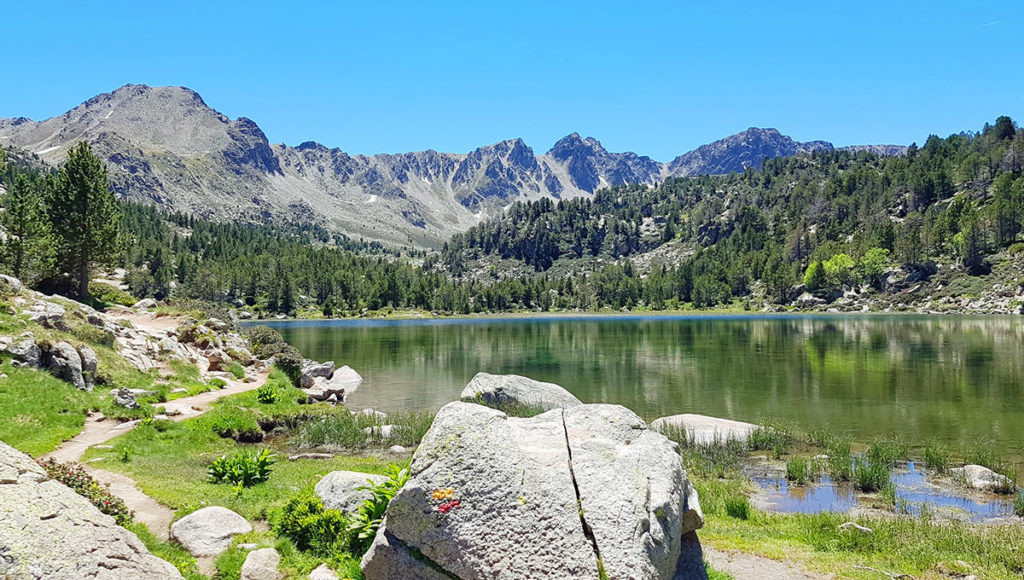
<point x="956" y="380"/>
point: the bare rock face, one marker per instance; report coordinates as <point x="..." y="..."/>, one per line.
<point x="499" y="390"/>
<point x="339" y="490"/>
<point x="26" y="351"/>
<point x="546" y="497"/>
<point x="65" y="363"/>
<point x="208" y="532"/>
<point x="48" y="531"/>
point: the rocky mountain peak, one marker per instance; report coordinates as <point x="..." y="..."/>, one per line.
<point x="572" y="145"/>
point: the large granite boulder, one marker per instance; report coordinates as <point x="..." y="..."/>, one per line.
<point x="339" y="490"/>
<point x="550" y="496"/>
<point x="341" y="383"/>
<point x="90" y="364"/>
<point x="312" y="369"/>
<point x="505" y="390"/>
<point x="48" y="531"/>
<point x="704" y="430"/>
<point x="64" y="362"/>
<point x="208" y="532"/>
<point x="9" y="285"/>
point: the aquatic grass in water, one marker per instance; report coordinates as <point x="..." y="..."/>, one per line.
<point x="869" y="475"/>
<point x="717" y="458"/>
<point x="839" y="464"/>
<point x="361" y="430"/>
<point x="821" y="437"/>
<point x="774" y="438"/>
<point x="936" y="457"/>
<point x="798" y="470"/>
<point x="887" y="452"/>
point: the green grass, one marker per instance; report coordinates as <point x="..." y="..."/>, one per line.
<point x="936" y="457"/>
<point x="798" y="470"/>
<point x="906" y="545"/>
<point x="173" y="553"/>
<point x="887" y="452"/>
<point x="839" y="465"/>
<point x="170" y="460"/>
<point x="870" y="475"/>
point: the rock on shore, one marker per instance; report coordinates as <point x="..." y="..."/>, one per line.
<point x="499" y="390"/>
<point x="551" y="496"/>
<point x="49" y="531"/>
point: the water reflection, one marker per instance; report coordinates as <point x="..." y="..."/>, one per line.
<point x="949" y="379"/>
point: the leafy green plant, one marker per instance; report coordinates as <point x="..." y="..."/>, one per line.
<point x="798" y="470"/>
<point x="267" y="394"/>
<point x="305" y="521"/>
<point x="244" y="469"/>
<point x="371" y="512"/>
<point x="738" y="507"/>
<point x="75" y="477"/>
<point x="236" y="369"/>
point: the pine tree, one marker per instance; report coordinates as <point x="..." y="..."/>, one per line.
<point x="84" y="215"/>
<point x="28" y="251"/>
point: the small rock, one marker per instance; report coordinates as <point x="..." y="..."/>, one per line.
<point x="853" y="526"/>
<point x="322" y="572"/>
<point x="310" y="456"/>
<point x="11" y="284"/>
<point x="397" y="449"/>
<point x="382" y="431"/>
<point x="370" y="412"/>
<point x="248" y="547"/>
<point x="145" y="304"/>
<point x="208" y="532"/>
<point x="124" y="398"/>
<point x="27" y="352"/>
<point x="982" y="478"/>
<point x="312" y="369"/>
<point x="261" y="565"/>
<point x="705" y="430"/>
<point x="103" y="446"/>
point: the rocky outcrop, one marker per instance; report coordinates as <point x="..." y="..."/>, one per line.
<point x="550" y="496"/>
<point x="325" y="383"/>
<point x="49" y="531"/>
<point x="208" y="532"/>
<point x="339" y="490"/>
<point x="704" y="430"/>
<point x="153" y="139"/>
<point x="262" y="565"/>
<point x="64" y="362"/>
<point x="25" y="351"/>
<point x="504" y="390"/>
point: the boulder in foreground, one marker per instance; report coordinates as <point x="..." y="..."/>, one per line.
<point x="208" y="532"/>
<point x="339" y="490"/>
<point x="552" y="496"/>
<point x="512" y="390"/>
<point x="49" y="531"/>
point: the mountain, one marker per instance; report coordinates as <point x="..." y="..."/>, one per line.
<point x="165" y="145"/>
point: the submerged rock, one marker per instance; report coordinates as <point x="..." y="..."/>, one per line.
<point x="704" y="430"/>
<point x="493" y="496"/>
<point x="502" y="390"/>
<point x="48" y="531"/>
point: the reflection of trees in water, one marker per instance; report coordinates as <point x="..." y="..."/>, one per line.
<point x="959" y="378"/>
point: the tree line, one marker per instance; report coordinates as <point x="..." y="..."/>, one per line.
<point x="824" y="220"/>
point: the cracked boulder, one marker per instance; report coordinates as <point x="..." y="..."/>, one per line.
<point x="64" y="362"/>
<point x="560" y="495"/>
<point x="48" y="531"/>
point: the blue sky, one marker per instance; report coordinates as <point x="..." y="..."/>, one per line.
<point x="658" y="78"/>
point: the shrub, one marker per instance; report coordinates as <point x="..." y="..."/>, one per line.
<point x="244" y="469"/>
<point x="936" y="457"/>
<point x="264" y="341"/>
<point x="75" y="477"/>
<point x="217" y="383"/>
<point x="236" y="369"/>
<point x="290" y="361"/>
<point x="305" y="521"/>
<point x="870" y="475"/>
<point x="110" y="294"/>
<point x="797" y="470"/>
<point x="738" y="507"/>
<point x="267" y="394"/>
<point x="371" y="512"/>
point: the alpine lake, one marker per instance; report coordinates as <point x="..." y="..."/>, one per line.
<point x="956" y="381"/>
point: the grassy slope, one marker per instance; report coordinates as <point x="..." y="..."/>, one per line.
<point x="169" y="460"/>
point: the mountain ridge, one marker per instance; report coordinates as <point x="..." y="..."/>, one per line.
<point x="166" y="145"/>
